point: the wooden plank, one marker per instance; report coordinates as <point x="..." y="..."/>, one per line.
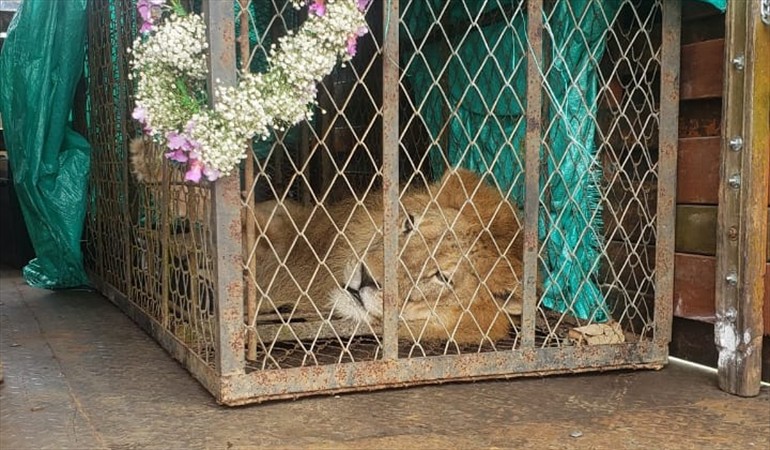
<point x="700" y="118"/>
<point x="696" y="229"/>
<point x="742" y="206"/>
<point x="702" y="70"/>
<point x="694" y="279"/>
<point x="698" y="170"/>
<point x="703" y="29"/>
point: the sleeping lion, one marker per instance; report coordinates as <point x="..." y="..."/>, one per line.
<point x="458" y="272"/>
<point x="459" y="265"/>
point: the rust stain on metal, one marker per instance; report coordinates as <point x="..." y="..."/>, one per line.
<point x="235" y="228"/>
<point x="668" y="139"/>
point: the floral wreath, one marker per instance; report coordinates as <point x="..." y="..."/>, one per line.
<point x="169" y="64"/>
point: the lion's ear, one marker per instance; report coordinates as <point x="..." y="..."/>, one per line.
<point x="455" y="188"/>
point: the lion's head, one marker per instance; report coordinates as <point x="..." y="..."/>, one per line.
<point x="459" y="269"/>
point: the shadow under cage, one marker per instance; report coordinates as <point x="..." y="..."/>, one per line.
<point x="484" y="191"/>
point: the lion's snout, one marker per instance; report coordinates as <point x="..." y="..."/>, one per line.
<point x="365" y="291"/>
<point x="361" y="278"/>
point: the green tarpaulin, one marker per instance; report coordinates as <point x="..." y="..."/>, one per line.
<point x="40" y="66"/>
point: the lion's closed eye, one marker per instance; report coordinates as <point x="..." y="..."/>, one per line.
<point x="442" y="277"/>
<point x="408" y="225"/>
<point x="502" y="295"/>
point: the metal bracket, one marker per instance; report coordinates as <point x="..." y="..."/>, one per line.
<point x="764" y="11"/>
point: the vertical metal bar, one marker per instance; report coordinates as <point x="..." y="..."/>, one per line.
<point x="247" y="217"/>
<point x="742" y="200"/>
<point x="390" y="145"/>
<point x="668" y="144"/>
<point x="164" y="235"/>
<point x="532" y="168"/>
<point x="226" y="203"/>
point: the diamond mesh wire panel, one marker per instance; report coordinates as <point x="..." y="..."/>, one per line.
<point x="315" y="261"/>
<point x="599" y="193"/>
<point x="148" y="241"/>
<point x="106" y="252"/>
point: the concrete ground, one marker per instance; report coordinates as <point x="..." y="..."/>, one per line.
<point x="79" y="374"/>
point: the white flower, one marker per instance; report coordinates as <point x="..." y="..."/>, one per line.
<point x="171" y="70"/>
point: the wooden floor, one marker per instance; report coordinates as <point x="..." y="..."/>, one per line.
<point x="79" y="374"/>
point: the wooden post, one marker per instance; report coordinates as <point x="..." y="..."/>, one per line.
<point x="742" y="217"/>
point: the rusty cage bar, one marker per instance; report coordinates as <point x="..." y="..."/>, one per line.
<point x="348" y="254"/>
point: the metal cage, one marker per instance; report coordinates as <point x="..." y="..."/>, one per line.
<point x="349" y="253"/>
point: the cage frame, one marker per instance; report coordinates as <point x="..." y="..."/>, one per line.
<point x="228" y="380"/>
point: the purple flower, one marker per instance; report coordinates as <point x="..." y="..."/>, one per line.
<point x="362" y="4"/>
<point x="177" y="155"/>
<point x="146" y="27"/>
<point x="211" y="174"/>
<point x="177" y="141"/>
<point x="318" y="8"/>
<point x="182" y="146"/>
<point x="148" y="10"/>
<point x="140" y="114"/>
<point x="194" y="172"/>
<point x="362" y="31"/>
<point x="144" y="9"/>
<point x="352" y="44"/>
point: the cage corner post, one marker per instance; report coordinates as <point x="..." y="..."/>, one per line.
<point x="668" y="143"/>
<point x="741" y="223"/>
<point x="226" y="205"/>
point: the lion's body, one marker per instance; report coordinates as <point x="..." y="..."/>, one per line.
<point x="459" y="270"/>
